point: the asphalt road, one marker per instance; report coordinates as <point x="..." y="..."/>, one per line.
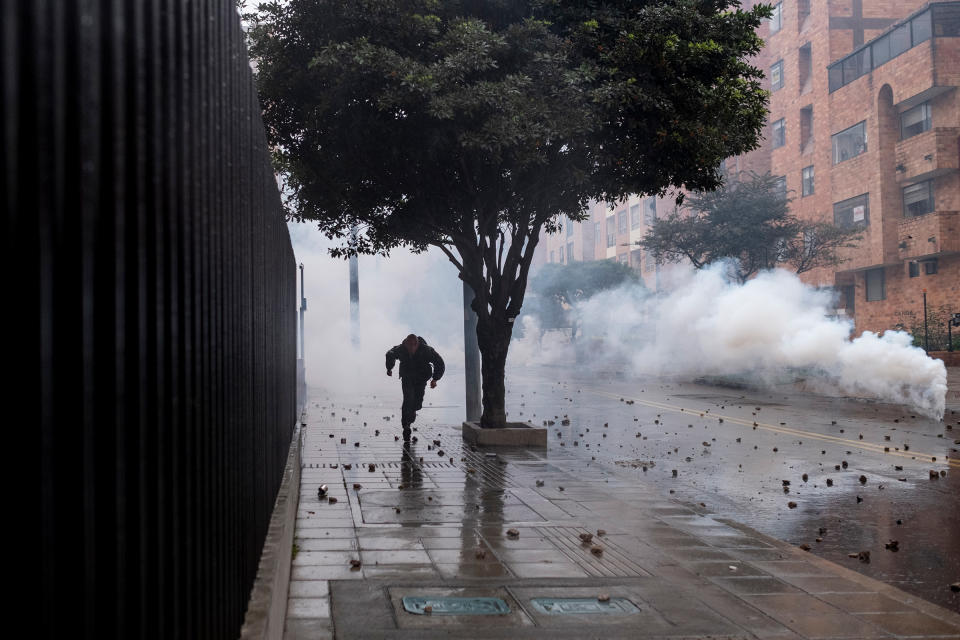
<point x="838" y="474"/>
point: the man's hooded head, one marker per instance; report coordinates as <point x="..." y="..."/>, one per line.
<point x="411" y="343"/>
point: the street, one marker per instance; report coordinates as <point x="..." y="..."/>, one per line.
<point x="880" y="460"/>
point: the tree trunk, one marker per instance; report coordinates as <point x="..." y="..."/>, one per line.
<point x="493" y="337"/>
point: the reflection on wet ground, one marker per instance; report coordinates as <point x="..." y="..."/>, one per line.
<point x="859" y="474"/>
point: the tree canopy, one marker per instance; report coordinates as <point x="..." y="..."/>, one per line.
<point x="750" y="222"/>
<point x="471" y="125"/>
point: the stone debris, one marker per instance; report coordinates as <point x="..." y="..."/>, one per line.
<point x="863" y="479"/>
<point x="604" y="597"/>
<point x="601" y="532"/>
<point x="596" y="550"/>
<point x="586" y="538"/>
<point x="371" y="467"/>
<point x="539" y="483"/>
<point x="357" y="485"/>
<point x="805" y="477"/>
<point x="792" y="504"/>
<point x="481" y="554"/>
<point x="428" y="609"/>
<point x="354" y="563"/>
<point x="348" y="467"/>
<point x="332" y="500"/>
<point x="864" y="556"/>
<point x="934" y="474"/>
<point x="893" y="545"/>
<point x="513" y="533"/>
<point x="343" y="441"/>
<point x="805" y="546"/>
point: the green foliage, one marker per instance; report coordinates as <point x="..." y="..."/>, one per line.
<point x="937" y="318"/>
<point x="558" y="289"/>
<point x="472" y="126"/>
<point x="750" y="222"/>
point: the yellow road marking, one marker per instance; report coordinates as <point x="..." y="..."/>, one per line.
<point x="860" y="444"/>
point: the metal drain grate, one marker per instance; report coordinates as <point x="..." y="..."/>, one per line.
<point x="455" y="606"/>
<point x="578" y="606"/>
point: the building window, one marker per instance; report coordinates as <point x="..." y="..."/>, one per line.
<point x="569" y="252"/>
<point x="635" y="216"/>
<point x="776" y="75"/>
<point x="779" y="133"/>
<point x="780" y="187"/>
<point x="650" y="212"/>
<point x="553" y="257"/>
<point x="806" y="129"/>
<point x="918" y="199"/>
<point x="876" y="287"/>
<point x="622" y="222"/>
<point x="850" y="143"/>
<point x="930" y="267"/>
<point x="915" y="120"/>
<point x="803" y="12"/>
<point x="561" y="253"/>
<point x="854" y="212"/>
<point x="611" y="232"/>
<point x="807" y="189"/>
<point x="569" y="228"/>
<point x="914" y="269"/>
<point x="776" y="18"/>
<point x="805" y="68"/>
<point x="849" y="298"/>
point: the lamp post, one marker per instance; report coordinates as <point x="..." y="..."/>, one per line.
<point x="354" y="294"/>
<point x="926" y="333"/>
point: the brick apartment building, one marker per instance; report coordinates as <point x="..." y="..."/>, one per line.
<point x="863" y="128"/>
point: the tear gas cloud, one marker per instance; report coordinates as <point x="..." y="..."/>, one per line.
<point x="772" y="328"/>
<point x="405" y="293"/>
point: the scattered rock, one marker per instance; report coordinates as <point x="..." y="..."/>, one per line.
<point x="792" y="504"/>
<point x="428" y="609"/>
<point x="332" y="500"/>
<point x="357" y="485"/>
<point x="601" y="532"/>
<point x="513" y="533"/>
<point x="586" y="538"/>
<point x="805" y="546"/>
<point x="596" y="550"/>
<point x="864" y="556"/>
<point x="893" y="545"/>
<point x="354" y="563"/>
<point x="604" y="597"/>
<point x="539" y="483"/>
<point x="348" y="467"/>
<point x="371" y="467"/>
<point x="863" y="479"/>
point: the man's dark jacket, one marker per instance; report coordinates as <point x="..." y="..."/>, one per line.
<point x="418" y="366"/>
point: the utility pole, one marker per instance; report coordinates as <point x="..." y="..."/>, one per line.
<point x="354" y="294"/>
<point x="471" y="357"/>
<point x="301" y="366"/>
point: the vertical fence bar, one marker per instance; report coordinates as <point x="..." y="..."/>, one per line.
<point x="157" y="286"/>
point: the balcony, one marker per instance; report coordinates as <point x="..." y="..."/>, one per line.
<point x="928" y="154"/>
<point x="930" y="235"/>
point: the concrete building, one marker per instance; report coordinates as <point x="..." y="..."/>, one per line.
<point x="863" y="128"/>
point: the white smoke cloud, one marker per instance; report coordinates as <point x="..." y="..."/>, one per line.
<point x="405" y="293"/>
<point x="772" y="327"/>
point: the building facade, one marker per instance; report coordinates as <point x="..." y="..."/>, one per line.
<point x="864" y="129"/>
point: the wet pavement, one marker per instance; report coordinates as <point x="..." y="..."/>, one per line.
<point x="436" y="520"/>
<point x="738" y="471"/>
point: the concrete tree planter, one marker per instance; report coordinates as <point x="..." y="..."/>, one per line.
<point x="515" y="434"/>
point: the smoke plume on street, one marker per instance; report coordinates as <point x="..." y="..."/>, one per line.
<point x="770" y="329"/>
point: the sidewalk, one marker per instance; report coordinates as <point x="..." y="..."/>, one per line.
<point x="435" y="522"/>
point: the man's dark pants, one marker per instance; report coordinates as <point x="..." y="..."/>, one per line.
<point x="413" y="391"/>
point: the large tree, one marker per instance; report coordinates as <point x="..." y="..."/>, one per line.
<point x="749" y="222"/>
<point x="472" y="125"/>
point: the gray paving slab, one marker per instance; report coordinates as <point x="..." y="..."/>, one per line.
<point x="512" y="524"/>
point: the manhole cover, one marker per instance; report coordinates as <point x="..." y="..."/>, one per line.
<point x="456" y="606"/>
<point x="576" y="606"/>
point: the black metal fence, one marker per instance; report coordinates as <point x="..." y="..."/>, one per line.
<point x="153" y="283"/>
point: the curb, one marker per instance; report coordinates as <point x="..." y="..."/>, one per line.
<point x="267" y="608"/>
